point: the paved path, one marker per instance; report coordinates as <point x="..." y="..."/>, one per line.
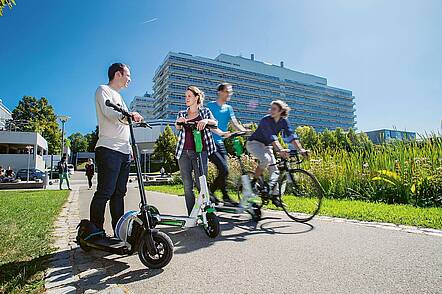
<point x="276" y="256"/>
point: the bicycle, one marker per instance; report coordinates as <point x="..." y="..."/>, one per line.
<point x="296" y="186"/>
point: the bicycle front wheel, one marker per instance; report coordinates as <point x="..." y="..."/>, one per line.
<point x="300" y="195"/>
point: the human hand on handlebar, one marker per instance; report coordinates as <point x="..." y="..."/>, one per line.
<point x="284" y="153"/>
<point x="136" y="116"/>
<point x="304" y="152"/>
<point x="226" y="135"/>
<point x="202" y="124"/>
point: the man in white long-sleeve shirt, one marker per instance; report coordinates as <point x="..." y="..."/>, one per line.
<point x="113" y="150"/>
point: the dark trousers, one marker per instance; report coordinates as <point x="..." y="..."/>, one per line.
<point x="89" y="180"/>
<point x="113" y="173"/>
<point x="219" y="158"/>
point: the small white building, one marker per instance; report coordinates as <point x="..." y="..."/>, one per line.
<point x="5" y="114"/>
<point x="14" y="151"/>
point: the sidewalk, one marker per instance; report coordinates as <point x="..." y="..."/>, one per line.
<point x="274" y="256"/>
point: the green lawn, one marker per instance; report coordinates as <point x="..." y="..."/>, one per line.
<point x="354" y="209"/>
<point x="25" y="243"/>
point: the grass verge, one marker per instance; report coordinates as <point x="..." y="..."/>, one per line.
<point x="27" y="219"/>
<point x="354" y="209"/>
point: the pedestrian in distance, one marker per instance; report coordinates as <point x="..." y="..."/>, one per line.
<point x="63" y="173"/>
<point x="90" y="171"/>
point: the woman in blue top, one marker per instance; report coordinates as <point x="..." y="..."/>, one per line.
<point x="261" y="143"/>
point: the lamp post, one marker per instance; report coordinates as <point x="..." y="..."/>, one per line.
<point x="29" y="147"/>
<point x="145" y="154"/>
<point x="63" y="119"/>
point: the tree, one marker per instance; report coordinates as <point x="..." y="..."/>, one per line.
<point x="164" y="149"/>
<point x="308" y="137"/>
<point x="342" y="139"/>
<point x="328" y="139"/>
<point x="79" y="143"/>
<point x="4" y="3"/>
<point x="92" y="139"/>
<point x="39" y="116"/>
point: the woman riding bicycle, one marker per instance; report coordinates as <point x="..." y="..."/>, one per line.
<point x="261" y="143"/>
<point x="185" y="150"/>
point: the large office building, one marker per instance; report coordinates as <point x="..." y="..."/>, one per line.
<point x="143" y="105"/>
<point x="255" y="85"/>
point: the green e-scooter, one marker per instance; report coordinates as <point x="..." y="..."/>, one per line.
<point x="203" y="213"/>
<point x="249" y="202"/>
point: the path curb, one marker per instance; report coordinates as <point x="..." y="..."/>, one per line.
<point x="60" y="277"/>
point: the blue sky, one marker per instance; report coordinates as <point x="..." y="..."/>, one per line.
<point x="387" y="52"/>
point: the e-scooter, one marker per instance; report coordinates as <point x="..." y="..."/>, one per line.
<point x="249" y="202"/>
<point x="134" y="230"/>
<point x="203" y="213"/>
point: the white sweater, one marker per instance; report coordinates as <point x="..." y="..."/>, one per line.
<point x="113" y="130"/>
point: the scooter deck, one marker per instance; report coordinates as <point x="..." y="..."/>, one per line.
<point x="112" y="245"/>
<point x="229" y="208"/>
<point x="174" y="220"/>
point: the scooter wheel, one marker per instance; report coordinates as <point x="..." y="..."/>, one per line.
<point x="164" y="246"/>
<point x="83" y="246"/>
<point x="212" y="228"/>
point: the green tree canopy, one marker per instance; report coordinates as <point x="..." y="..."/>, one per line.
<point x="4" y="3"/>
<point x="79" y="143"/>
<point x="39" y="116"/>
<point x="164" y="149"/>
<point x="92" y="139"/>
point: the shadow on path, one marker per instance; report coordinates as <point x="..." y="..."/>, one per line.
<point x="236" y="229"/>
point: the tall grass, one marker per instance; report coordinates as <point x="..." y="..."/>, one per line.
<point x="398" y="172"/>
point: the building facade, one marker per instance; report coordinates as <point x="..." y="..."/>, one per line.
<point x="143" y="105"/>
<point x="255" y="85"/>
<point x="384" y="136"/>
<point x="18" y="149"/>
<point x="5" y="114"/>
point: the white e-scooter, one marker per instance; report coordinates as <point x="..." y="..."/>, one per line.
<point x="203" y="213"/>
<point x="249" y="202"/>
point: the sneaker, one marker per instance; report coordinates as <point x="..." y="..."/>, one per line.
<point x="229" y="202"/>
<point x="213" y="199"/>
<point x="277" y="202"/>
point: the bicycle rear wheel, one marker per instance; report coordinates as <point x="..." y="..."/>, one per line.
<point x="302" y="197"/>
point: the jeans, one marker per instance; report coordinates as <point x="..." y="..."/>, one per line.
<point x="89" y="180"/>
<point x="61" y="177"/>
<point x="188" y="163"/>
<point x="113" y="173"/>
<point x="219" y="158"/>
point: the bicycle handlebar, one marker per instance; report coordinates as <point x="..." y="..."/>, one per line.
<point x="292" y="154"/>
<point x="124" y="112"/>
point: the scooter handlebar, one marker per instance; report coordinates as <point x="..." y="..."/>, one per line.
<point x="237" y="134"/>
<point x="124" y="112"/>
<point x="194" y="124"/>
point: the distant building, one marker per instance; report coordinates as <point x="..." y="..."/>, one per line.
<point x="143" y="105"/>
<point x="255" y="85"/>
<point x="5" y="114"/>
<point x="14" y="152"/>
<point x="384" y="135"/>
<point x="146" y="139"/>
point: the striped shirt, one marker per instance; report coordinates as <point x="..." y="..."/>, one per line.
<point x="205" y="113"/>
